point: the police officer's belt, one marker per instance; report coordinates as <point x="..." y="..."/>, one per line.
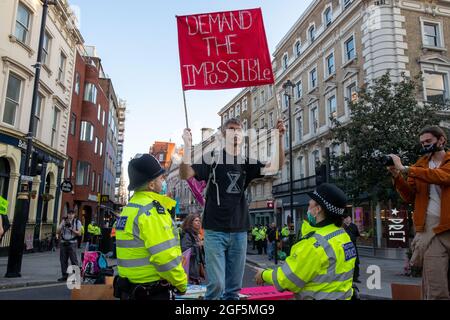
<point x="137" y="291"/>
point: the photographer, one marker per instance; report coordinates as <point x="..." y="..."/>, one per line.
<point x="69" y="230"/>
<point x="427" y="184"/>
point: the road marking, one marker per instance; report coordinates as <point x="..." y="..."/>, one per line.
<point x="33" y="287"/>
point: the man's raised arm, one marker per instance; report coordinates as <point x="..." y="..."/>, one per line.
<point x="186" y="171"/>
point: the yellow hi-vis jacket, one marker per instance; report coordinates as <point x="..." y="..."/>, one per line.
<point x="96" y="231"/>
<point x="319" y="267"/>
<point x="285" y="232"/>
<point x="254" y="231"/>
<point x="148" y="244"/>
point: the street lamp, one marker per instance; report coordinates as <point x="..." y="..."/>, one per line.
<point x="21" y="211"/>
<point x="288" y="87"/>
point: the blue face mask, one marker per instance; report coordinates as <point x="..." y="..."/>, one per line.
<point x="164" y="188"/>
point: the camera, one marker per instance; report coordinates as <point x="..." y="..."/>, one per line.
<point x="68" y="224"/>
<point x="386" y="161"/>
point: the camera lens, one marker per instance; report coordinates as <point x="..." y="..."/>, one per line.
<point x="387" y="161"/>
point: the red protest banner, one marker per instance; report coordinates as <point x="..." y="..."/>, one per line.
<point x="224" y="50"/>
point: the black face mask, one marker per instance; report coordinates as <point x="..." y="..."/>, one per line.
<point x="430" y="148"/>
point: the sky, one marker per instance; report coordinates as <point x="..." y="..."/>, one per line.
<point x="137" y="43"/>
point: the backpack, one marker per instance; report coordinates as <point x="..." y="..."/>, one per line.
<point x="95" y="268"/>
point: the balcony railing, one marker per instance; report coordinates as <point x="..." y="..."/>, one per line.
<point x="298" y="186"/>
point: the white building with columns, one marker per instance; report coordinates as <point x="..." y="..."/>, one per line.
<point x="20" y="22"/>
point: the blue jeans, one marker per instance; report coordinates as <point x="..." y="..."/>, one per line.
<point x="271" y="249"/>
<point x="225" y="255"/>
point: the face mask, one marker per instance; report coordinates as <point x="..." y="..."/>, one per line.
<point x="311" y="219"/>
<point x="164" y="188"/>
<point x="430" y="148"/>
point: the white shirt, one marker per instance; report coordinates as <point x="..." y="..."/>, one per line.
<point x="434" y="203"/>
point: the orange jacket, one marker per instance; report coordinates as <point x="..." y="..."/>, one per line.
<point x="416" y="189"/>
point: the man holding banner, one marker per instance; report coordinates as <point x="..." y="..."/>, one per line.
<point x="225" y="50"/>
<point x="225" y="218"/>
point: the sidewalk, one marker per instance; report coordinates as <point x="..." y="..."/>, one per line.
<point x="38" y="269"/>
<point x="391" y="272"/>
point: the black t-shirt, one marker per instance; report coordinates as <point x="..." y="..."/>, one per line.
<point x="232" y="213"/>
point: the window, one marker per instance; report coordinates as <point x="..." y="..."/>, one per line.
<point x="263" y="97"/>
<point x="286" y="136"/>
<point x="314" y="120"/>
<point x="90" y="93"/>
<point x="69" y="168"/>
<point x="161" y="157"/>
<point x="46" y="48"/>
<point x="101" y="149"/>
<point x="350" y="49"/>
<point x="351" y="90"/>
<point x="312" y="33"/>
<point x="55" y="126"/>
<point x="99" y="181"/>
<point x="255" y="103"/>
<point x="297" y="48"/>
<point x="231" y="114"/>
<point x="244" y="104"/>
<point x="87" y="131"/>
<point x="271" y="123"/>
<point x="313" y="78"/>
<point x="346" y="3"/>
<point x="330" y="65"/>
<point x="77" y="84"/>
<point x="99" y="112"/>
<point x="328" y="16"/>
<point x="22" y="23"/>
<point x="245" y="125"/>
<point x="83" y="169"/>
<point x="285" y="61"/>
<point x="12" y="99"/>
<point x="301" y="169"/>
<point x="37" y="115"/>
<point x="238" y="109"/>
<point x="73" y="124"/>
<point x="286" y="100"/>
<point x="298" y="90"/>
<point x="225" y="118"/>
<point x="269" y="147"/>
<point x="431" y="34"/>
<point x="93" y="181"/>
<point x="315" y="159"/>
<point x="103" y="119"/>
<point x="270" y="91"/>
<point x="331" y="102"/>
<point x="96" y="145"/>
<point x="62" y="67"/>
<point x="299" y="124"/>
<point x="262" y="123"/>
<point x="350" y="93"/>
<point x="435" y="87"/>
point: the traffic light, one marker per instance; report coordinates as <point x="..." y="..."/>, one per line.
<point x="321" y="174"/>
<point x="37" y="164"/>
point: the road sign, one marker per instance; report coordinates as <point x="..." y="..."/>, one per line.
<point x="104" y="198"/>
<point x="66" y="186"/>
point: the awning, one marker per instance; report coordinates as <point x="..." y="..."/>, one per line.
<point x="300" y="200"/>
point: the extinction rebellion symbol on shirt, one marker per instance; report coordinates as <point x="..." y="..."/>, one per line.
<point x="234" y="187"/>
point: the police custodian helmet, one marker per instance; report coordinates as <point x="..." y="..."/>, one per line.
<point x="143" y="168"/>
<point x="332" y="199"/>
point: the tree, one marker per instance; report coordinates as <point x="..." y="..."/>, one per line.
<point x="385" y="118"/>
